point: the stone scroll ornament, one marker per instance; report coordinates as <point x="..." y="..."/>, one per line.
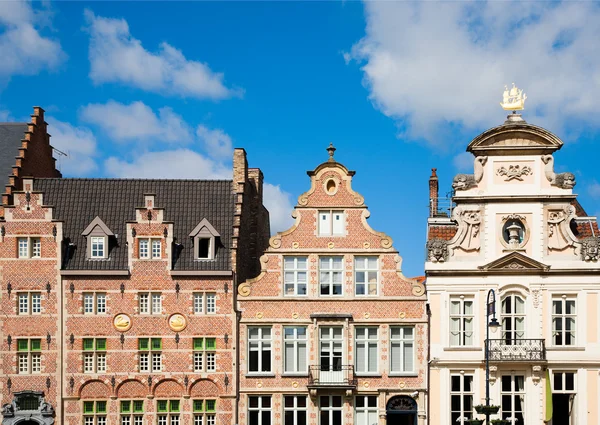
<point x="514" y="172"/>
<point x="562" y="180"/>
<point x="467" y="236"/>
<point x="591" y="249"/>
<point x="560" y="236"/>
<point x="467" y="181"/>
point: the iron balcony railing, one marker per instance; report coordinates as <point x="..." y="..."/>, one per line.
<point x="331" y="376"/>
<point x="517" y="350"/>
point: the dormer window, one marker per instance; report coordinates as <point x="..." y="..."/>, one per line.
<point x="204" y="237"/>
<point x="97" y="234"/>
<point x="149" y="248"/>
<point x="331" y="223"/>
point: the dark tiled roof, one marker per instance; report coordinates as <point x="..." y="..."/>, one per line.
<point x="11" y="135"/>
<point x="186" y="202"/>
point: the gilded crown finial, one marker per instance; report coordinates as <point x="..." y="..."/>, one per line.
<point x="513" y="99"/>
<point x="331" y="151"/>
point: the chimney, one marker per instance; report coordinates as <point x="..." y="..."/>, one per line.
<point x="256" y="176"/>
<point x="240" y="170"/>
<point x="433" y="193"/>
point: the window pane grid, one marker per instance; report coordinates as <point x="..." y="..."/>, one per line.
<point x="402" y="346"/>
<point x="366" y="275"/>
<point x="461" y="398"/>
<point x="330" y="275"/>
<point x="259" y="347"/>
<point x="461" y="322"/>
<point x="366" y="349"/>
<point x="295" y="273"/>
<point x="563" y="321"/>
<point x="295" y="351"/>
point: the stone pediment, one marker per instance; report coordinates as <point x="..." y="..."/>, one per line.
<point x="515" y="137"/>
<point x="515" y="263"/>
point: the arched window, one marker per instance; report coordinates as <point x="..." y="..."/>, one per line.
<point x="401" y="410"/>
<point x="513" y="319"/>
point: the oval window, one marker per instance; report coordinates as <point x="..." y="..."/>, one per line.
<point x="330" y="187"/>
<point x="513" y="232"/>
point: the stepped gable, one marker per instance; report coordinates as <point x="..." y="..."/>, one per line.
<point x="186" y="203"/>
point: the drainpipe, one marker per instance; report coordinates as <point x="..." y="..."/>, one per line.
<point x="238" y="315"/>
<point x="428" y="393"/>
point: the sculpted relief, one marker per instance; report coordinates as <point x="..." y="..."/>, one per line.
<point x="560" y="236"/>
<point x="562" y="180"/>
<point x="468" y="237"/>
<point x="467" y="181"/>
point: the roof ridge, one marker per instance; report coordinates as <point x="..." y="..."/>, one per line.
<point x="129" y="179"/>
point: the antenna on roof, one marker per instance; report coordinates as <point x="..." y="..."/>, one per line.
<point x="61" y="153"/>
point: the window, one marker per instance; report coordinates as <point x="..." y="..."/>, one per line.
<point x="150" y="355"/>
<point x="331" y="223"/>
<point x="94" y="303"/>
<point x="97" y="247"/>
<point x="295" y="275"/>
<point x="168" y="412"/>
<point x="513" y="396"/>
<point x="461" y="322"/>
<point x="330" y="275"/>
<point x="29" y="356"/>
<point x="132" y="412"/>
<point x="331" y="342"/>
<point x="205" y="303"/>
<point x="563" y="382"/>
<point x="30" y="302"/>
<point x="205" y="412"/>
<point x="294" y="410"/>
<point x="94" y="412"/>
<point x="563" y="321"/>
<point x="259" y="410"/>
<point x="403" y="349"/>
<point x="150" y="302"/>
<point x="259" y="347"/>
<point x="204" y="248"/>
<point x="365" y="275"/>
<point x="94" y="355"/>
<point x="366" y="410"/>
<point x="330" y="409"/>
<point x="29" y="247"/>
<point x="295" y="353"/>
<point x="204" y="238"/>
<point x="461" y="398"/>
<point x="205" y="356"/>
<point x="366" y="350"/>
<point x="513" y="319"/>
<point x="149" y="248"/>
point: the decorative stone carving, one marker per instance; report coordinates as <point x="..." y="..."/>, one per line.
<point x="8" y="410"/>
<point x="536" y="298"/>
<point x="560" y="236"/>
<point x="493" y="372"/>
<point x="536" y="374"/>
<point x="244" y="289"/>
<point x="437" y="250"/>
<point x="467" y="235"/>
<point x="467" y="181"/>
<point x="591" y="249"/>
<point x="177" y="322"/>
<point x="514" y="266"/>
<point x="122" y="322"/>
<point x="562" y="180"/>
<point x="514" y="172"/>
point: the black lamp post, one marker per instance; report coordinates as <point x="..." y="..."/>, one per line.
<point x="490" y="311"/>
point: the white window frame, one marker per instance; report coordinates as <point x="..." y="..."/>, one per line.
<point x="513" y="393"/>
<point x="97" y="247"/>
<point x="295" y="409"/>
<point x="132" y="417"/>
<point x="29" y="362"/>
<point x="205" y="359"/>
<point x="143" y="248"/>
<point x="327" y="273"/>
<point x="156" y="248"/>
<point x="296" y="341"/>
<point x="330" y="409"/>
<point x="361" y="266"/>
<point x="205" y="416"/>
<point x="367" y="341"/>
<point x="150" y="303"/>
<point x="95" y="360"/>
<point x="325" y="223"/>
<point x="169" y="417"/>
<point x="563" y="317"/>
<point x="292" y="282"/>
<point x="211" y="250"/>
<point x="94" y="303"/>
<point x="462" y="319"/>
<point x="95" y="418"/>
<point x="371" y="413"/>
<point x="205" y="302"/>
<point x="398" y="347"/>
<point x="150" y="360"/>
<point x="260" y="344"/>
<point x="29" y="247"/>
<point x="513" y="318"/>
<point x="563" y="380"/>
<point x="260" y="409"/>
<point x="462" y="393"/>
<point x="29" y="303"/>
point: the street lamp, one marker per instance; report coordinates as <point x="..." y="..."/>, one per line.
<point x="493" y="325"/>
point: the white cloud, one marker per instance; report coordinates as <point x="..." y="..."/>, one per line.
<point x="464" y="162"/>
<point x="216" y="142"/>
<point x="137" y="122"/>
<point x="24" y="50"/>
<point x="171" y="164"/>
<point x="78" y="143"/>
<point x="116" y="56"/>
<point x="433" y="66"/>
<point x="594" y="189"/>
<point x="5" y="116"/>
<point x="280" y="207"/>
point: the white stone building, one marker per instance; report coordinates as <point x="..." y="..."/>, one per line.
<point x="514" y="226"/>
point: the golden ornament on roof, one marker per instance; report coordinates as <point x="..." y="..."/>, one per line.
<point x="513" y="99"/>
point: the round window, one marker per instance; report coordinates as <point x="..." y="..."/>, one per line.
<point x="513" y="232"/>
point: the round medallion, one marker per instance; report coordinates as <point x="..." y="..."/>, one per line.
<point x="366" y="385"/>
<point x="330" y="245"/>
<point x="295" y="384"/>
<point x="295" y="315"/>
<point x="177" y="322"/>
<point x="122" y="322"/>
<point x="367" y="315"/>
<point x="259" y="315"/>
<point x="366" y="245"/>
<point x="295" y="245"/>
<point x="402" y="384"/>
<point x="402" y="315"/>
<point x="259" y="385"/>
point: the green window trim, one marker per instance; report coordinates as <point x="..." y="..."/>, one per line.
<point x="211" y="343"/>
<point x="162" y="406"/>
<point x="156" y="343"/>
<point x="100" y="407"/>
<point x="198" y="344"/>
<point x="88" y="407"/>
<point x="22" y="345"/>
<point x="198" y="406"/>
<point x="174" y="406"/>
<point x="88" y="344"/>
<point x="208" y="406"/>
<point x="125" y="406"/>
<point x="36" y="344"/>
<point x="144" y="344"/>
<point x="101" y="344"/>
<point x="138" y="406"/>
<point x="211" y="406"/>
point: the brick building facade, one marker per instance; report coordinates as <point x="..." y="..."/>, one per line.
<point x="118" y="296"/>
<point x="331" y="332"/>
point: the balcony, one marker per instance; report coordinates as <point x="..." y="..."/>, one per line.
<point x="517" y="350"/>
<point x="332" y="377"/>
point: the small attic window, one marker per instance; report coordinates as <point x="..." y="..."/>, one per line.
<point x="97" y="234"/>
<point x="204" y="237"/>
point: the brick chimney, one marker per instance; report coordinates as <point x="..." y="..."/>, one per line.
<point x="433" y="193"/>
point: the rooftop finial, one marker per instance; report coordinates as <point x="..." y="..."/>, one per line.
<point x="513" y="99"/>
<point x="331" y="151"/>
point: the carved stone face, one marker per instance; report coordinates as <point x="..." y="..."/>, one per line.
<point x="463" y="181"/>
<point x="437" y="250"/>
<point x="591" y="249"/>
<point x="568" y="180"/>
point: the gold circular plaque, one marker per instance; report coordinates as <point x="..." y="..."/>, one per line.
<point x="177" y="322"/>
<point x="122" y="322"/>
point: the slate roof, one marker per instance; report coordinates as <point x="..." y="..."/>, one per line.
<point x="186" y="202"/>
<point x="11" y="135"/>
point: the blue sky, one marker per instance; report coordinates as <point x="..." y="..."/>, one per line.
<point x="155" y="89"/>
